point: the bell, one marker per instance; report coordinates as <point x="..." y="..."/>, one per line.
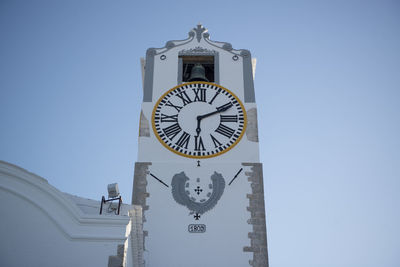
<point x="198" y="73"/>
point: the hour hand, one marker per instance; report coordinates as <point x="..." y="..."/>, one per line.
<point x="198" y="129"/>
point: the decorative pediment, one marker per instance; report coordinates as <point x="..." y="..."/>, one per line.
<point x="196" y="35"/>
<point x="196" y="51"/>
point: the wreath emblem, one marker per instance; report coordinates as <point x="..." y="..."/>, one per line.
<point x="198" y="199"/>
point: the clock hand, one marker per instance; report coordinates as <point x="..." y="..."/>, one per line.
<point x="198" y="129"/>
<point x="219" y="109"/>
<point x="225" y="107"/>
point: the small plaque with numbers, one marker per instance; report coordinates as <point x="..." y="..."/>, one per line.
<point x="197" y="228"/>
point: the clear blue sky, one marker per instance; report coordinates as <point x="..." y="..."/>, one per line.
<point x="327" y="87"/>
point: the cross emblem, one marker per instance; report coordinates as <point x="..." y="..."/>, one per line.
<point x="198" y="190"/>
<point x="197" y="216"/>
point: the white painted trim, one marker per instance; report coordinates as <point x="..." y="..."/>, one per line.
<point x="65" y="214"/>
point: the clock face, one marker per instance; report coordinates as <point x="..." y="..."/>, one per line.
<point x="199" y="120"/>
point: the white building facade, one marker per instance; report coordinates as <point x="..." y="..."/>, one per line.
<point x="198" y="177"/>
<point x="42" y="226"/>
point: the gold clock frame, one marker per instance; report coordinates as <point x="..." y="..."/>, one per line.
<point x="194" y="156"/>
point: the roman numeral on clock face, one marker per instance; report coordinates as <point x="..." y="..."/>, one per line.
<point x="225" y="130"/>
<point x="183" y="141"/>
<point x="229" y="118"/>
<point x="184" y="97"/>
<point x="215" y="141"/>
<point x="169" y="104"/>
<point x="198" y="144"/>
<point x="216" y="94"/>
<point x="168" y="118"/>
<point x="172" y="130"/>
<point x="200" y="94"/>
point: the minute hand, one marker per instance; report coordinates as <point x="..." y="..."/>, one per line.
<point x="219" y="109"/>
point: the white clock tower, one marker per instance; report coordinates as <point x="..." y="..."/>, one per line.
<point x="198" y="175"/>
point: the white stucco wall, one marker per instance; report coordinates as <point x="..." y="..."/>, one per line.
<point x="226" y="224"/>
<point x="166" y="182"/>
<point x="41" y="226"/>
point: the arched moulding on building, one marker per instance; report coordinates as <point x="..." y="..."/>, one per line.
<point x="62" y="209"/>
<point x="47" y="226"/>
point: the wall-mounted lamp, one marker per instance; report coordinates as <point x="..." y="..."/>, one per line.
<point x="113" y="190"/>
